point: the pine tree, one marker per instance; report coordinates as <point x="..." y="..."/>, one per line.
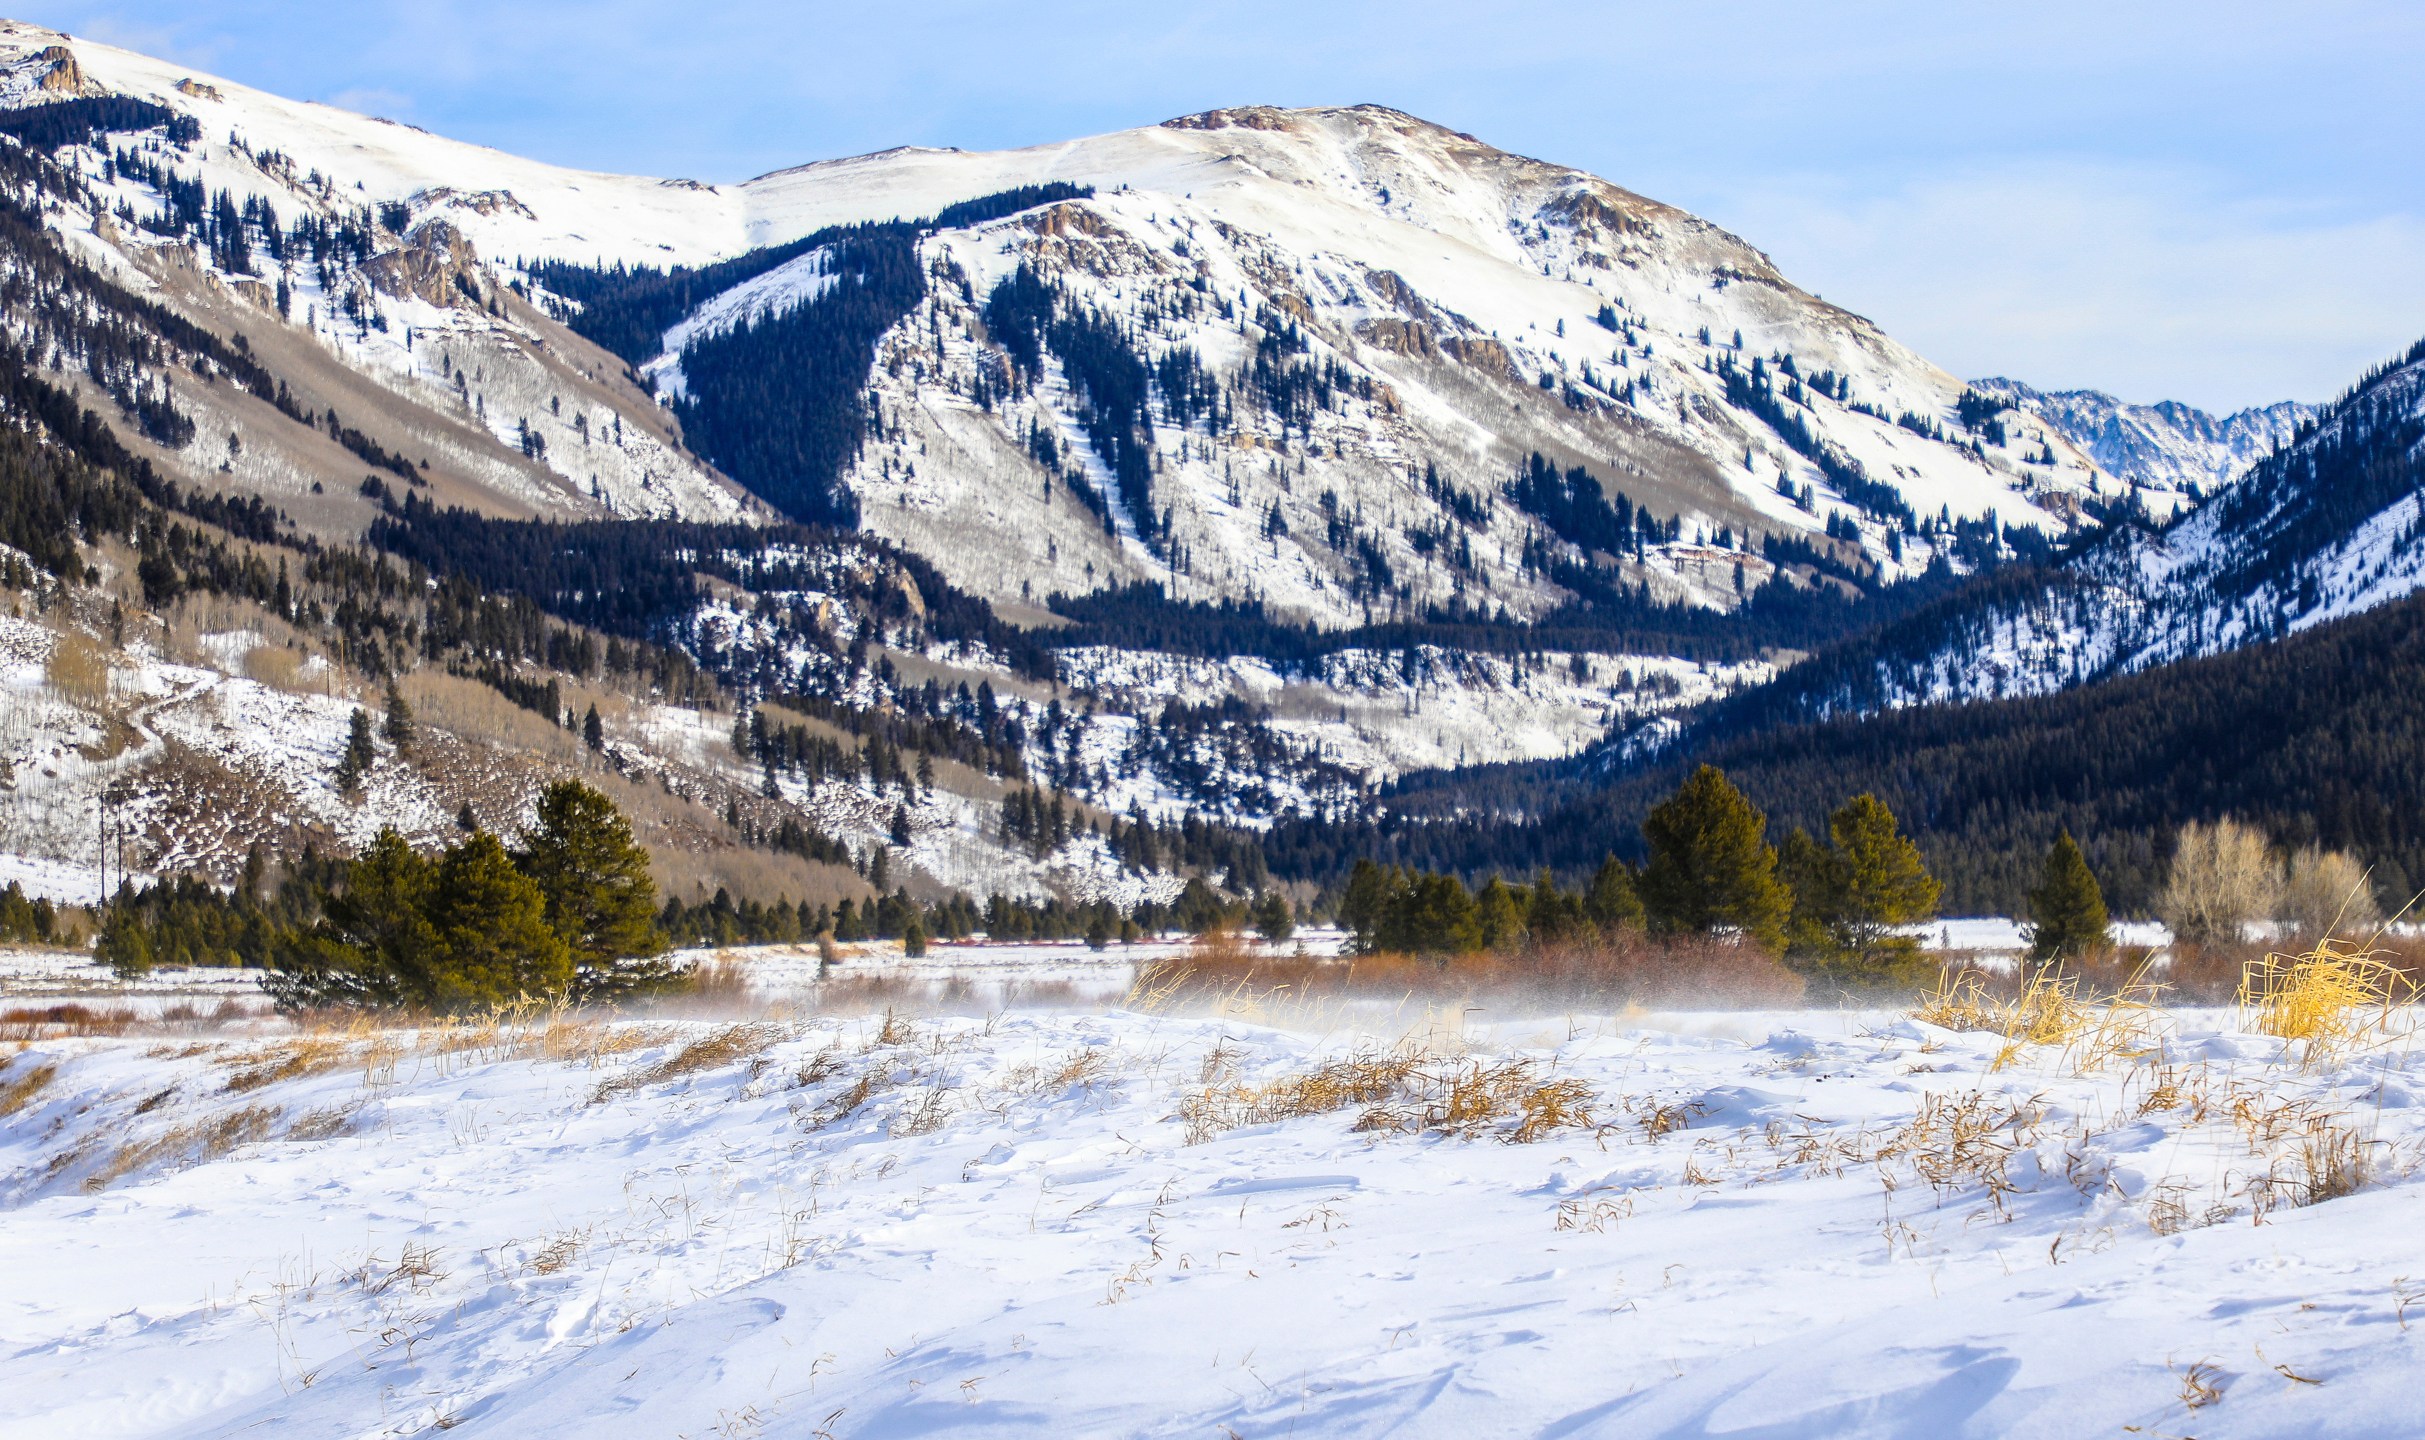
<point x="2067" y="909"/>
<point x="374" y="944"/>
<point x="399" y="726"/>
<point x="494" y="938"/>
<point x="1852" y="894"/>
<point x="593" y="730"/>
<point x="1709" y="867"/>
<point x="1274" y="920"/>
<point x="1550" y="915"/>
<point x="1497" y="920"/>
<point x="1429" y="915"/>
<point x="1611" y="902"/>
<point x="913" y="939"/>
<point x="593" y="877"/>
<point x="361" y="752"/>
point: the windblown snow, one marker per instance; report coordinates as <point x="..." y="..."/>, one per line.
<point x="1057" y="1223"/>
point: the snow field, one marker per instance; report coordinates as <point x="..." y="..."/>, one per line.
<point x="1135" y="1223"/>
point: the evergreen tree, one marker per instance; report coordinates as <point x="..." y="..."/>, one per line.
<point x="373" y="944"/>
<point x="1851" y="894"/>
<point x="2067" y="909"/>
<point x="1709" y="867"/>
<point x="361" y="752"/>
<point x="593" y="877"/>
<point x="124" y="944"/>
<point x="593" y="730"/>
<point x="1497" y="920"/>
<point x="1430" y="915"/>
<point x="1274" y="920"/>
<point x="493" y="935"/>
<point x="1364" y="902"/>
<point x="913" y="940"/>
<point x="1611" y="902"/>
<point x="399" y="726"/>
<point x="1884" y="883"/>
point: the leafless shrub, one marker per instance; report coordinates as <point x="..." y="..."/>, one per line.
<point x="2222" y="876"/>
<point x="2326" y="893"/>
<point x="46" y="1022"/>
<point x="78" y="669"/>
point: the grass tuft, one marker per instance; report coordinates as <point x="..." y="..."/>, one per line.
<point x="2327" y="1000"/>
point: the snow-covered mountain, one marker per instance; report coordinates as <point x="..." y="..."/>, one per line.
<point x="1345" y="330"/>
<point x="2169" y="448"/>
<point x="2330" y="525"/>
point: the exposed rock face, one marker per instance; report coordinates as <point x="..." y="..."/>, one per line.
<point x="1244" y="117"/>
<point x="435" y="263"/>
<point x="199" y="90"/>
<point x="1399" y="337"/>
<point x="1486" y="355"/>
<point x="478" y="202"/>
<point x="65" y="79"/>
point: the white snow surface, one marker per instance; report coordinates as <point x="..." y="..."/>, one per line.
<point x="1000" y="1226"/>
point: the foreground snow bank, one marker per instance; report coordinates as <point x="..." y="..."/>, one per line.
<point x="1795" y="1224"/>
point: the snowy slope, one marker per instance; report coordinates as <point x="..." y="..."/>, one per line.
<point x="1481" y="305"/>
<point x="1053" y="1224"/>
<point x="2328" y="526"/>
<point x="1468" y="287"/>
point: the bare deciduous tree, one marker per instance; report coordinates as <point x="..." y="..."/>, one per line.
<point x="2223" y="876"/>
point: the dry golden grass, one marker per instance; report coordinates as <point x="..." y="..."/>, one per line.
<point x="195" y="1143"/>
<point x="1509" y="1098"/>
<point x="2051" y="1008"/>
<point x="732" y="1045"/>
<point x="2327" y="1000"/>
<point x="1404" y="1090"/>
<point x="20" y="1092"/>
<point x="312" y="1055"/>
<point x="78" y="669"/>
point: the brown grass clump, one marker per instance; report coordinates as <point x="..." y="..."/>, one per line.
<point x="1363" y="1079"/>
<point x="326" y="1123"/>
<point x="313" y="1055"/>
<point x="1958" y="1141"/>
<point x="1403" y="1091"/>
<point x="728" y="1046"/>
<point x="1510" y="1098"/>
<point x="2050" y="1008"/>
<point x="20" y="1092"/>
<point x="197" y="1143"/>
<point x="2327" y="999"/>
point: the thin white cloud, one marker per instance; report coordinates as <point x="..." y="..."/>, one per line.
<point x="2152" y="285"/>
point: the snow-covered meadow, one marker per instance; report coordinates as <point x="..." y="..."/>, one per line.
<point x="1144" y="1220"/>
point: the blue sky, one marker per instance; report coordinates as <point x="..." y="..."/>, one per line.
<point x="2218" y="203"/>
